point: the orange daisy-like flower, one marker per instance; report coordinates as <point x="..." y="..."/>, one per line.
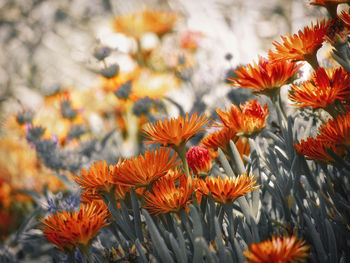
<point x="336" y="131"/>
<point x="219" y="139"/>
<point x="145" y="169"/>
<point x="265" y="77"/>
<point x="247" y="120"/>
<point x="302" y="46"/>
<point x="277" y="250"/>
<point x="175" y="132"/>
<point x="325" y="89"/>
<point x="76" y="229"/>
<point x="228" y="189"/>
<point x="99" y="177"/>
<point x="137" y="24"/>
<point x="316" y="149"/>
<point x="166" y="197"/>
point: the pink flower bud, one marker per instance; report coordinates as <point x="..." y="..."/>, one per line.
<point x="198" y="158"/>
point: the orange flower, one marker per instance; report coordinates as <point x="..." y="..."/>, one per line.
<point x="324" y="90"/>
<point x="99" y="177"/>
<point x="76" y="229"/>
<point x="144" y="170"/>
<point x="247" y="120"/>
<point x="316" y="149"/>
<point x="302" y="46"/>
<point x="277" y="250"/>
<point x="228" y="189"/>
<point x="191" y="39"/>
<point x="166" y="197"/>
<point x="336" y="131"/>
<point x="175" y="132"/>
<point x="219" y="139"/>
<point x="137" y="24"/>
<point x="265" y="77"/>
<point x="198" y="158"/>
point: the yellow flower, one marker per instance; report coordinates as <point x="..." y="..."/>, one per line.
<point x="137" y="24"/>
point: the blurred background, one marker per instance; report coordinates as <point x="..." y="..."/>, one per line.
<point x="49" y="44"/>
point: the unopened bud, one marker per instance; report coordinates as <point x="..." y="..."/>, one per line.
<point x="198" y="158"/>
<point x="102" y="52"/>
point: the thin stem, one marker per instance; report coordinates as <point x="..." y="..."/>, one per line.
<point x="181" y="151"/>
<point x="281" y="106"/>
<point x="312" y="60"/>
<point x="85" y="254"/>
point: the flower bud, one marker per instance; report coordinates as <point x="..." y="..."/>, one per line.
<point x="110" y="71"/>
<point x="198" y="158"/>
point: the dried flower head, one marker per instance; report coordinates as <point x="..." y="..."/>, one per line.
<point x="176" y="131"/>
<point x="198" y="158"/>
<point x="324" y="90"/>
<point x="301" y="46"/>
<point x="247" y="120"/>
<point x="76" y="229"/>
<point x="145" y="169"/>
<point x="265" y="77"/>
<point x="137" y="24"/>
<point x="228" y="189"/>
<point x="167" y="197"/>
<point x="277" y="250"/>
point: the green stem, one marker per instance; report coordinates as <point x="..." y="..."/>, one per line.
<point x="85" y="254"/>
<point x="181" y="151"/>
<point x="312" y="60"/>
<point x="281" y="106"/>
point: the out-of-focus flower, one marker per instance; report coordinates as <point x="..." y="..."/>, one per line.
<point x="228" y="189"/>
<point x="112" y="84"/>
<point x="336" y="131"/>
<point x="198" y="158"/>
<point x="316" y="149"/>
<point x="153" y="85"/>
<point x="5" y="195"/>
<point x="176" y="131"/>
<point x="75" y="229"/>
<point x="191" y="39"/>
<point x="99" y="178"/>
<point x="145" y="169"/>
<point x="265" y="77"/>
<point x="26" y="116"/>
<point x="166" y="197"/>
<point x="21" y="169"/>
<point x="277" y="250"/>
<point x="302" y="46"/>
<point x="326" y="89"/>
<point x="137" y="24"/>
<point x="247" y="120"/>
